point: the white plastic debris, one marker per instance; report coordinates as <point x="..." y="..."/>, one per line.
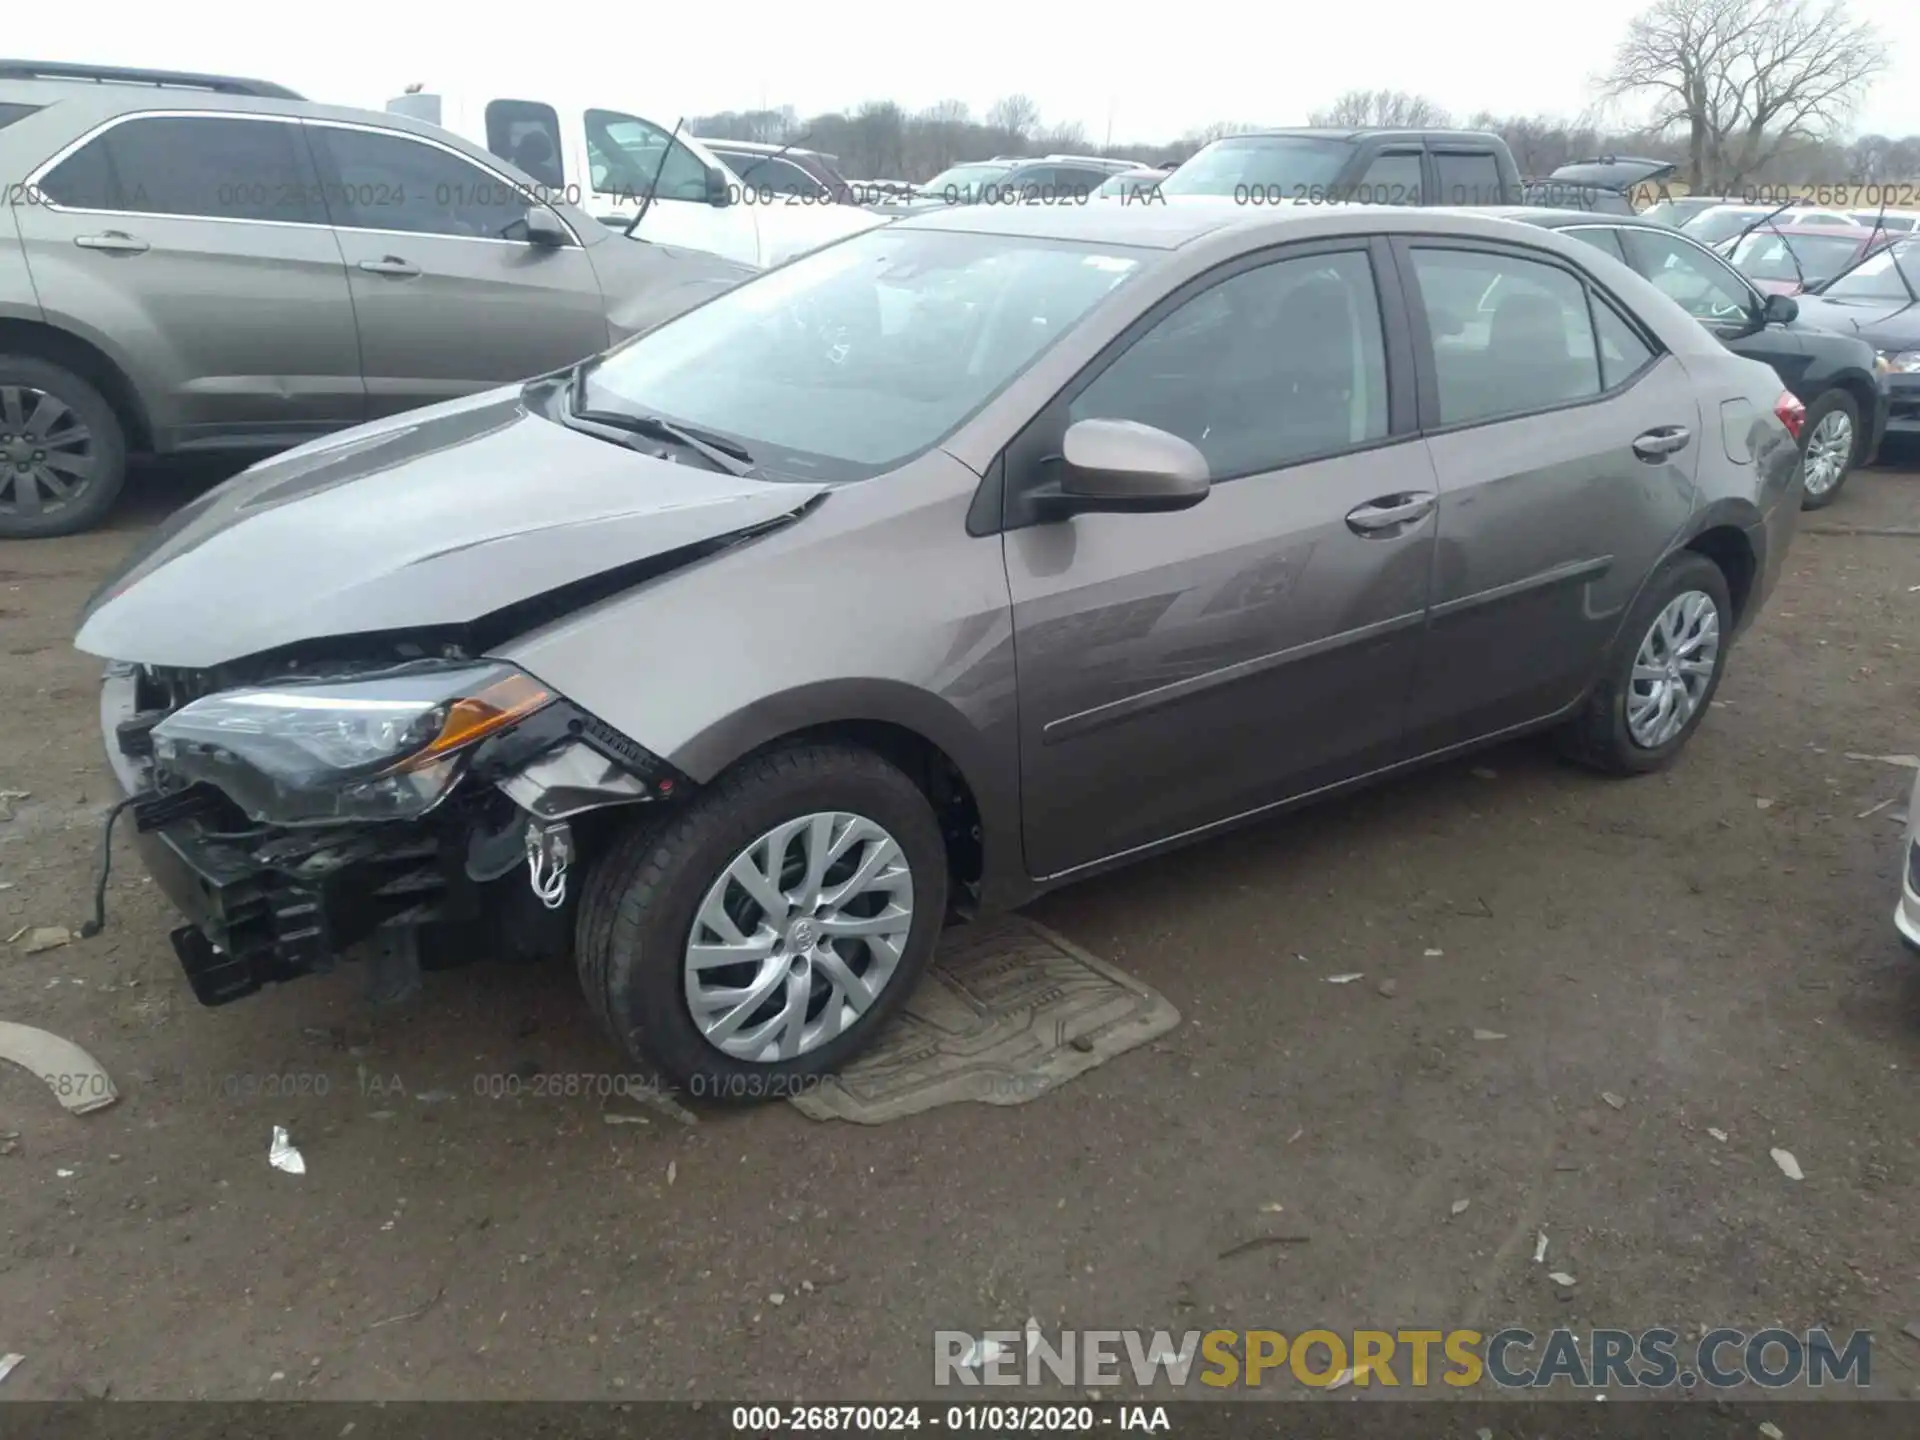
<point x="46" y="937"/>
<point x="1905" y="762"/>
<point x="1771" y="1430"/>
<point x="1719" y="1135"/>
<point x="778" y="1297"/>
<point x="1540" y="1249"/>
<point x="612" y="1119"/>
<point x="7" y="1364"/>
<point x="1789" y="1166"/>
<point x="1873" y="810"/>
<point x="1433" y="954"/>
<point x="77" y="1079"/>
<point x="1763" y="804"/>
<point x="64" y="1174"/>
<point x="1342" y="1380"/>
<point x="673" y="1171"/>
<point x="1612" y="1099"/>
<point x="1560" y="1277"/>
<point x="1272" y="1207"/>
<point x="1488" y="1035"/>
<point x="1346" y="979"/>
<point x="282" y="1156"/>
<point x="982" y="1352"/>
<point x="1460" y="1206"/>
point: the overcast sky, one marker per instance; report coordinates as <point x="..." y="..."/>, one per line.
<point x="1150" y="73"/>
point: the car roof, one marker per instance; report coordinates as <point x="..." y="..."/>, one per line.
<point x="91" y="78"/>
<point x="1360" y="132"/>
<point x="756" y="147"/>
<point x="1553" y="218"/>
<point x="1814" y="227"/>
<point x="1168" y="226"/>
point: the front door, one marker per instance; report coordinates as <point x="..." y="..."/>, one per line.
<point x="1179" y="669"/>
<point x="1564" y="447"/>
<point x="629" y="158"/>
<point x="447" y="299"/>
<point x="1718" y="296"/>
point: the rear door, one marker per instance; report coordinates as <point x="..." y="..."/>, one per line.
<point x="1467" y="176"/>
<point x="1176" y="670"/>
<point x="195" y="245"/>
<point x="1563" y="445"/>
<point x="448" y="300"/>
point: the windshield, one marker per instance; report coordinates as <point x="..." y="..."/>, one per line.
<point x="1765" y="255"/>
<point x="1879" y="276"/>
<point x="849" y="361"/>
<point x="1722" y="222"/>
<point x="1675" y="212"/>
<point x="1275" y="166"/>
<point x="960" y="183"/>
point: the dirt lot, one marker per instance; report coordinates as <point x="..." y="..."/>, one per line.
<point x="1712" y="946"/>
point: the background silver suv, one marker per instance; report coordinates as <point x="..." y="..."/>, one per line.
<point x="195" y="263"/>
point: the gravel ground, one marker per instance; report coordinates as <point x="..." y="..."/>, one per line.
<point x="1712" y="947"/>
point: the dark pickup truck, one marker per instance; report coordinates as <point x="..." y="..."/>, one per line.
<point x="1353" y="166"/>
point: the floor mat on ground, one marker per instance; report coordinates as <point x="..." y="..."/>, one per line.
<point x="1008" y="1011"/>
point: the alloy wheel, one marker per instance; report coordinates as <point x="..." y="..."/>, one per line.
<point x="1673" y="668"/>
<point x="799" y="936"/>
<point x="1829" y="452"/>
<point x="48" y="456"/>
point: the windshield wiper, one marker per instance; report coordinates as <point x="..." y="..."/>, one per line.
<point x="721" y="453"/>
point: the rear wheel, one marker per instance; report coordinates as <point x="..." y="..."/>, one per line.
<point x="1831" y="444"/>
<point x="1662" y="674"/>
<point x="63" y="455"/>
<point x="765" y="934"/>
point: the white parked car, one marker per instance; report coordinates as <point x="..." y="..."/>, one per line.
<point x="616" y="165"/>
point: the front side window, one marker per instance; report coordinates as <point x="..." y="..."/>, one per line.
<point x="1266" y="168"/>
<point x="851" y="360"/>
<point x="1880" y="276"/>
<point x="393" y="182"/>
<point x="1392" y="179"/>
<point x="624" y="153"/>
<point x="1268" y="367"/>
<point x="1468" y="179"/>
<point x="1701" y="284"/>
<point x="212" y="167"/>
<point x="527" y="135"/>
<point x="1526" y="344"/>
<point x="1601" y="237"/>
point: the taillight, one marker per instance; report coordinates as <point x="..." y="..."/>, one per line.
<point x="1791" y="412"/>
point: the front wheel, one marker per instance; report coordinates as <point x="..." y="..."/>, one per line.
<point x="1832" y="443"/>
<point x="63" y="456"/>
<point x="763" y="935"/>
<point x="1661" y="675"/>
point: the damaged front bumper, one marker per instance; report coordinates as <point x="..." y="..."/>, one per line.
<point x="265" y="903"/>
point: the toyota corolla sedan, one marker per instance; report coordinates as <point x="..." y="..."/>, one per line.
<point x="954" y="562"/>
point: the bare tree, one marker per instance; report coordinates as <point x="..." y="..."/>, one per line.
<point x="1016" y="116"/>
<point x="1746" y="80"/>
<point x="1394" y="108"/>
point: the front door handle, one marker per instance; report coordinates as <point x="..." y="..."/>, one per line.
<point x="1389" y="514"/>
<point x="117" y="242"/>
<point x="1656" y="445"/>
<point x="390" y="265"/>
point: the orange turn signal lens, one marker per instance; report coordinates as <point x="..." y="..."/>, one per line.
<point x="505" y="702"/>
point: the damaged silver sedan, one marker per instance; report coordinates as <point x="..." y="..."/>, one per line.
<point x="953" y="562"/>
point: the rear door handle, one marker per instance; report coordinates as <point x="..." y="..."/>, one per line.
<point x="390" y="265"/>
<point x="1384" y="517"/>
<point x="116" y="241"/>
<point x="1658" y="444"/>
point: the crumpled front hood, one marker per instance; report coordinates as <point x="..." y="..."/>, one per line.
<point x="437" y="517"/>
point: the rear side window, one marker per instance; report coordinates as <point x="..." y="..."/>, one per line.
<point x="764" y="175"/>
<point x="1468" y="179"/>
<point x="527" y="135"/>
<point x="10" y="112"/>
<point x="1526" y="343"/>
<point x="212" y="167"/>
<point x="1623" y="354"/>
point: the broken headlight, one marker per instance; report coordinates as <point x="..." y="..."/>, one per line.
<point x="387" y="747"/>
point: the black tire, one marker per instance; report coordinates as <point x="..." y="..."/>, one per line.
<point x="1827" y="404"/>
<point x="1599" y="737"/>
<point x="96" y="497"/>
<point x="637" y="913"/>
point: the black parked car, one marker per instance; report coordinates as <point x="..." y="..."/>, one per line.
<point x="1836" y="376"/>
<point x="1878" y="299"/>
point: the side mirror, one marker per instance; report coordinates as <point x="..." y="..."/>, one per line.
<point x="719" y="192"/>
<point x="1780" y="310"/>
<point x="544" y="229"/>
<point x="1123" y="466"/>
